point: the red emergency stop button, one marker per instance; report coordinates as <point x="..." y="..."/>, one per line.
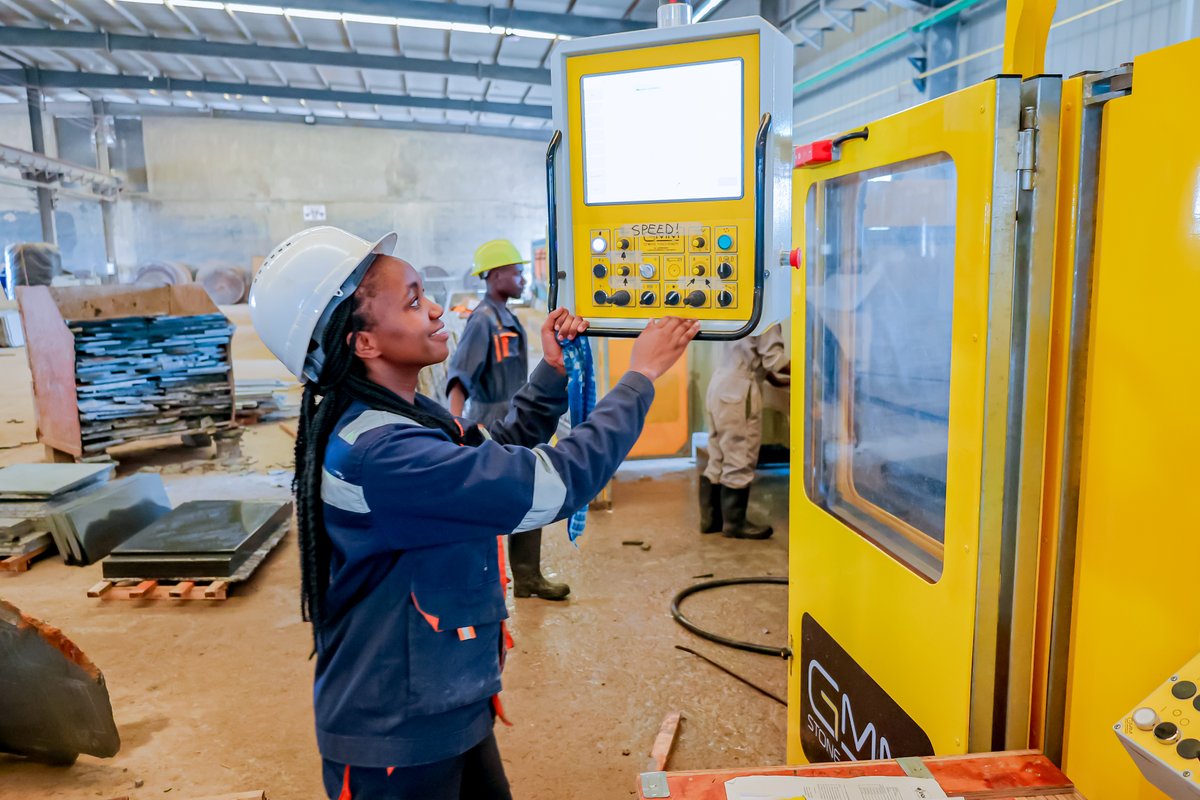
<point x="794" y="258"/>
<point x="814" y="154"/>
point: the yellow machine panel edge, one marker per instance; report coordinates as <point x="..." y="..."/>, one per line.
<point x="1136" y="606"/>
<point x="919" y="648"/>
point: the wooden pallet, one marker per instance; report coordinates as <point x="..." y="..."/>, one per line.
<point x="155" y="590"/>
<point x="187" y="588"/>
<point x="22" y="562"/>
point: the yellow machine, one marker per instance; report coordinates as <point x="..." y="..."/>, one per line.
<point x="995" y="296"/>
<point x="669" y="188"/>
<point x="994" y="427"/>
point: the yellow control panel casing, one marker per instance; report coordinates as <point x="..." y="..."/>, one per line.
<point x="626" y="256"/>
<point x="1163" y="733"/>
<point x="671" y="250"/>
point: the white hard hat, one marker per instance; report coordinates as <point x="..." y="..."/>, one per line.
<point x="298" y="286"/>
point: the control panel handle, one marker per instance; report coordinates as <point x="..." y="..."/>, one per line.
<point x="552" y="231"/>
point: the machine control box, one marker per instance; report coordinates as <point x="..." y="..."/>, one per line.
<point x="669" y="182"/>
<point x="1163" y="734"/>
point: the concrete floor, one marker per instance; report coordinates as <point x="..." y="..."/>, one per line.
<point x="215" y="697"/>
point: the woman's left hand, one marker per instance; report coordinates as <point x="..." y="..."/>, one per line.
<point x="560" y="325"/>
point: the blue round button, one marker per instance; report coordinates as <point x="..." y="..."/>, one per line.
<point x="724" y="241"/>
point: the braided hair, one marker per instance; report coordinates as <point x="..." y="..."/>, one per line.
<point x="342" y="380"/>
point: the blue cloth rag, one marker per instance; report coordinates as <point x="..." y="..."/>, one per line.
<point x="581" y="399"/>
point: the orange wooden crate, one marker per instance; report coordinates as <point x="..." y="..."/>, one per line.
<point x="981" y="776"/>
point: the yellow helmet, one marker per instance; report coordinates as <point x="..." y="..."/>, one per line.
<point x="496" y="253"/>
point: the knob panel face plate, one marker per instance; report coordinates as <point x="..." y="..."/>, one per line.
<point x="636" y="267"/>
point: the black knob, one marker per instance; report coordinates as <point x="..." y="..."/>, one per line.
<point x="599" y="270"/>
<point x="698" y="242"/>
<point x="623" y="244"/>
<point x="695" y="298"/>
<point x="724" y="298"/>
<point x="672" y="298"/>
<point x="600" y="297"/>
<point x="623" y="270"/>
<point x="647" y="298"/>
<point x="621" y="298"/>
<point x="1166" y="732"/>
<point x="724" y="270"/>
<point x="1188" y="748"/>
<point x="1184" y="690"/>
<point x="697" y="269"/>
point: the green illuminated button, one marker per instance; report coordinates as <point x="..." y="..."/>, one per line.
<point x="724" y="241"/>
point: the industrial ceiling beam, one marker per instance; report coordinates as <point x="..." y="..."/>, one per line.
<point x="111" y="42"/>
<point x="53" y="79"/>
<point x="566" y="24"/>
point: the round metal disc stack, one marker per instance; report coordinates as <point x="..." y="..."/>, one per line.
<point x="225" y="283"/>
<point x="163" y="273"/>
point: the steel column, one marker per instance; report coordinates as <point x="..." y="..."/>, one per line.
<point x="45" y="197"/>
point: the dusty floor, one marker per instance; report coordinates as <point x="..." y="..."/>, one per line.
<point x="215" y="697"/>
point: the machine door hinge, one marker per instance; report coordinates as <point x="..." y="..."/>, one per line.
<point x="1027" y="148"/>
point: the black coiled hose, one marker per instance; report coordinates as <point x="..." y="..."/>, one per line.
<point x="725" y="641"/>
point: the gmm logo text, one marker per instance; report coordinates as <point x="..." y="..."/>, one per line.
<point x="831" y="721"/>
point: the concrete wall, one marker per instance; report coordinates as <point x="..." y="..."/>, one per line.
<point x="229" y="190"/>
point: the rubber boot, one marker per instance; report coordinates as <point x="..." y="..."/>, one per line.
<point x="711" y="520"/>
<point x="525" y="556"/>
<point x="733" y="506"/>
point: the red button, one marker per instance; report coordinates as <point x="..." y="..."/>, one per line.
<point x="814" y="153"/>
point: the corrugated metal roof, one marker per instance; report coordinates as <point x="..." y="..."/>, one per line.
<point x="305" y="29"/>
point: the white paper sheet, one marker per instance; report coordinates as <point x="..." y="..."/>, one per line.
<point x="784" y="787"/>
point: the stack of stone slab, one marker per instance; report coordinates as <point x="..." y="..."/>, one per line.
<point x="77" y="507"/>
<point x="145" y="377"/>
<point x="202" y="540"/>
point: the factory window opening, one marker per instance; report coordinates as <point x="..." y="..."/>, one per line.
<point x="880" y="288"/>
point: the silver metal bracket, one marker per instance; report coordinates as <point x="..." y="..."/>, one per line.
<point x="914" y="767"/>
<point x="654" y="784"/>
<point x="1101" y="87"/>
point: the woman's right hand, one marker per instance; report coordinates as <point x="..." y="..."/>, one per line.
<point x="661" y="344"/>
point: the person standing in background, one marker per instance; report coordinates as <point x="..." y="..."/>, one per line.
<point x="489" y="366"/>
<point x="734" y="402"/>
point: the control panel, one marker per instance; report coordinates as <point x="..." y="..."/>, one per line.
<point x="664" y="265"/>
<point x="1163" y="734"/>
<point x="669" y="182"/>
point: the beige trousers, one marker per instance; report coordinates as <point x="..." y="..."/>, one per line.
<point x="735" y="430"/>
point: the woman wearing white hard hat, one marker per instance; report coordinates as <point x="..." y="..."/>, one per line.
<point x="399" y="505"/>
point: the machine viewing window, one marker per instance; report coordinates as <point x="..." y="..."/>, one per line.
<point x="664" y="134"/>
<point x="880" y="256"/>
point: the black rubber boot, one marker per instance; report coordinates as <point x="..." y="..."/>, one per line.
<point x="525" y="556"/>
<point x="733" y="506"/>
<point x="711" y="520"/>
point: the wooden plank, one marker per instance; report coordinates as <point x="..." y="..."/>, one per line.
<point x="216" y="590"/>
<point x="142" y="589"/>
<point x="181" y="590"/>
<point x="99" y="589"/>
<point x="50" y="348"/>
<point x="20" y="563"/>
<point x="976" y="776"/>
<point x="664" y="742"/>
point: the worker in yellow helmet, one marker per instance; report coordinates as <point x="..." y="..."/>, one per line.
<point x="490" y="364"/>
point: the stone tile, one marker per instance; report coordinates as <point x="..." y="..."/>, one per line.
<point x="43" y="481"/>
<point x="91" y="526"/>
<point x="200" y="539"/>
